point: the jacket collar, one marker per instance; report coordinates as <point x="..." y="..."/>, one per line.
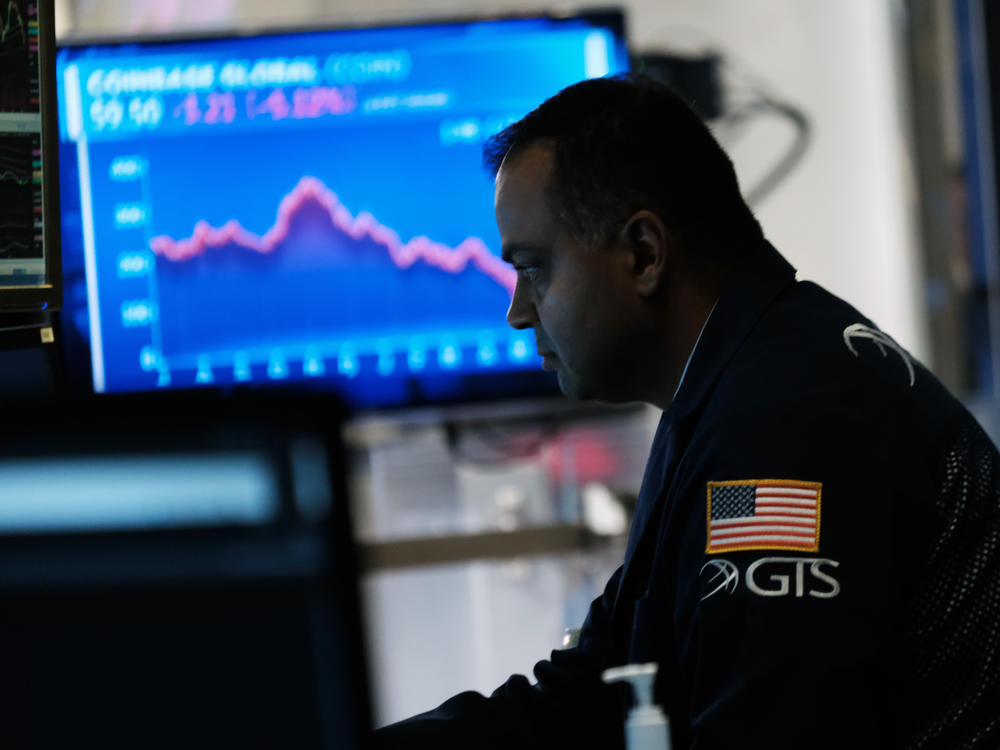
<point x="748" y="293"/>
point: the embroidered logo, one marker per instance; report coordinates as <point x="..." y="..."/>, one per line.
<point x="763" y="514"/>
<point x="724" y="576"/>
<point x="882" y="340"/>
<point x="772" y="577"/>
<point x="776" y="577"/>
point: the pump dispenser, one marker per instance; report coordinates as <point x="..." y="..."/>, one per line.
<point x="646" y="727"/>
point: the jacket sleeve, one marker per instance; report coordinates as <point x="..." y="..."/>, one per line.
<point x="568" y="705"/>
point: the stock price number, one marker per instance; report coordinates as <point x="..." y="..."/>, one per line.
<point x="139" y="112"/>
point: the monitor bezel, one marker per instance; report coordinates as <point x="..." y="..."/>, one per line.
<point x="612" y="17"/>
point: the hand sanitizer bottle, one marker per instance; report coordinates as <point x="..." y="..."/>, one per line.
<point x="646" y="727"/>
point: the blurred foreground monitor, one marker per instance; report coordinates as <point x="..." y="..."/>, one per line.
<point x="177" y="570"/>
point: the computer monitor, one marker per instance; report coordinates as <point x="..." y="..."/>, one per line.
<point x="177" y="570"/>
<point x="30" y="269"/>
<point x="307" y="206"/>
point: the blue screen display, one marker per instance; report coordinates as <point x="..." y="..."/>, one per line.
<point x="304" y="206"/>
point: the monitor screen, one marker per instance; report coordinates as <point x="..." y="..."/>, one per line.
<point x="306" y="206"/>
<point x="29" y="230"/>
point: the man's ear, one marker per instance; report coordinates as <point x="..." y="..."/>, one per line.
<point x="652" y="246"/>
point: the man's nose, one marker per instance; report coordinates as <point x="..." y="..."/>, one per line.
<point x="521" y="314"/>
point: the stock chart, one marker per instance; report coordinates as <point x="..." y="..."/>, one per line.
<point x="20" y="196"/>
<point x="22" y="248"/>
<point x="19" y="86"/>
<point x="302" y="206"/>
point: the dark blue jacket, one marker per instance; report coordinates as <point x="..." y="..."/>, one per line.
<point x="814" y="561"/>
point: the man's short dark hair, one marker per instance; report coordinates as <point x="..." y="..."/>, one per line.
<point x="627" y="143"/>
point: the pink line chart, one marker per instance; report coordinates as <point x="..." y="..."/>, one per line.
<point x="205" y="237"/>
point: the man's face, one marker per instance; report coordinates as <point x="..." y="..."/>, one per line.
<point x="578" y="300"/>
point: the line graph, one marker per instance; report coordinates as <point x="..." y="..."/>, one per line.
<point x="20" y="197"/>
<point x="363" y="226"/>
<point x="13" y="29"/>
<point x="19" y="56"/>
<point x="16" y="160"/>
<point x="12" y="175"/>
<point x="304" y="206"/>
<point x="13" y="249"/>
<point x="316" y="273"/>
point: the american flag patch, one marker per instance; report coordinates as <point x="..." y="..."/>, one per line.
<point x="763" y="514"/>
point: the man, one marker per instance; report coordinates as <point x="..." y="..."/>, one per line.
<point x="815" y="556"/>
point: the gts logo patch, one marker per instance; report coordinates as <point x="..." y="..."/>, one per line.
<point x="773" y="576"/>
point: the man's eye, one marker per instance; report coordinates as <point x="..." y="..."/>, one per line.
<point x="529" y="272"/>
